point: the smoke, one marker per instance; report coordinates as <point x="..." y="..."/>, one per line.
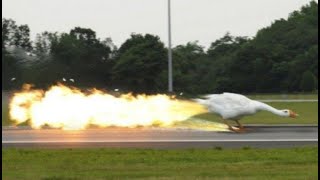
<point x="27" y="59"/>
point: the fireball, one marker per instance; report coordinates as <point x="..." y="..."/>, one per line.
<point x="69" y="108"/>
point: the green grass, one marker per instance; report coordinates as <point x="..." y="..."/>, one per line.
<point x="5" y="115"/>
<point x="308" y="114"/>
<point x="215" y="163"/>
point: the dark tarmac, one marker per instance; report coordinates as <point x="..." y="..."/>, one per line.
<point x="160" y="138"/>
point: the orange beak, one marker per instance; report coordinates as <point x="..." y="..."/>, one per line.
<point x="293" y="114"/>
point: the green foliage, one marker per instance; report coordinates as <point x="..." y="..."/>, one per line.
<point x="8" y="27"/>
<point x="10" y="69"/>
<point x="15" y="35"/>
<point x="141" y="61"/>
<point x="45" y="42"/>
<point x="308" y="82"/>
<point x="185" y="67"/>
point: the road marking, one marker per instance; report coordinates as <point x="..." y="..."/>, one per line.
<point x="183" y="140"/>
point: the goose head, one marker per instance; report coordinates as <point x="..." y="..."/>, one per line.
<point x="289" y="113"/>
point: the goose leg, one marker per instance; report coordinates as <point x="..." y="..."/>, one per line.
<point x="230" y="127"/>
<point x="240" y="125"/>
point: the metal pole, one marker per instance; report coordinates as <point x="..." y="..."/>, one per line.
<point x="169" y="49"/>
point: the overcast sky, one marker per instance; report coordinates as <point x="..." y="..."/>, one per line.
<point x="202" y="20"/>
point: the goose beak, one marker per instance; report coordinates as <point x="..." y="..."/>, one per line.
<point x="293" y="114"/>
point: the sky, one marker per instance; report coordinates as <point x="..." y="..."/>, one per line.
<point x="201" y="20"/>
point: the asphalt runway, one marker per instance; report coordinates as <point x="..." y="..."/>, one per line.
<point x="257" y="136"/>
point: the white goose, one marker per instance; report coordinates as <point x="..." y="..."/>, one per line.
<point x="232" y="106"/>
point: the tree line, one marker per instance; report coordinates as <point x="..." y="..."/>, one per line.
<point x="282" y="57"/>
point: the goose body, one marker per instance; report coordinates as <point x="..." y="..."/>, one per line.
<point x="231" y="106"/>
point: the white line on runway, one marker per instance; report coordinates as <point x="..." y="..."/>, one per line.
<point x="183" y="140"/>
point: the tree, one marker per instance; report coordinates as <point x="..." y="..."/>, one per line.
<point x="17" y="36"/>
<point x="14" y="35"/>
<point x="45" y="42"/>
<point x="8" y="29"/>
<point x="10" y="70"/>
<point x="185" y="74"/>
<point x="82" y="56"/>
<point x="140" y="64"/>
<point x="308" y="82"/>
<point x="114" y="49"/>
<point x="22" y="37"/>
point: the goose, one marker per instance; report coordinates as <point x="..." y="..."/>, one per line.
<point x="231" y="106"/>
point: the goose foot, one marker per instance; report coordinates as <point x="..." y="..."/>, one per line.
<point x="237" y="130"/>
<point x="241" y="127"/>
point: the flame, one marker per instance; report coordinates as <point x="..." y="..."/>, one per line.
<point x="70" y="109"/>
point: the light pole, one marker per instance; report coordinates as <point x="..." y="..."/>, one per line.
<point x="170" y="86"/>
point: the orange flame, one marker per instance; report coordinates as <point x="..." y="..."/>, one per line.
<point x="69" y="108"/>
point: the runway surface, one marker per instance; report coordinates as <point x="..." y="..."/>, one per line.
<point x="257" y="136"/>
